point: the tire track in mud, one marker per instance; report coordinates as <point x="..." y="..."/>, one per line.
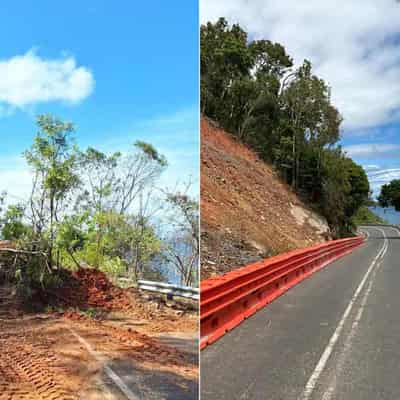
<point x="28" y="372"/>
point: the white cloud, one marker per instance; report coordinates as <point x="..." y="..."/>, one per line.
<point x="371" y="167"/>
<point x="385" y="173"/>
<point x="373" y="150"/>
<point x="351" y="44"/>
<point x="381" y="177"/>
<point x="15" y="178"/>
<point x="28" y="79"/>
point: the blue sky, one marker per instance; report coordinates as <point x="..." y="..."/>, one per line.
<point x="355" y="46"/>
<point x="378" y="151"/>
<point x="121" y="71"/>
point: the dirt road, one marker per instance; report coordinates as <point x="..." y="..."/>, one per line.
<point x="50" y="357"/>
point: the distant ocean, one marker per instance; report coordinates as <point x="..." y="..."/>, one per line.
<point x="388" y="214"/>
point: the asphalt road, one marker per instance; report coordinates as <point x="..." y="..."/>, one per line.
<point x="149" y="384"/>
<point x="127" y="382"/>
<point x="334" y="336"/>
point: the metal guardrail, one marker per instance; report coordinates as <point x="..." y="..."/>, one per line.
<point x="231" y="298"/>
<point x="169" y="289"/>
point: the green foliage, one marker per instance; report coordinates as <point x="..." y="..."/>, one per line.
<point x="11" y="223"/>
<point x="113" y="243"/>
<point x="345" y="189"/>
<point x="253" y="91"/>
<point x="390" y="195"/>
<point x="359" y="187"/>
<point x="365" y="216"/>
<point x="99" y="172"/>
<point x="114" y="267"/>
<point x="224" y="58"/>
<point x="150" y="151"/>
<point x="52" y="158"/>
<point x="86" y="208"/>
<point x="90" y="312"/>
<point x="3" y="196"/>
<point x="35" y="275"/>
<point x="238" y="78"/>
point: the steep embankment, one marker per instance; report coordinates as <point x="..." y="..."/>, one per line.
<point x="247" y="212"/>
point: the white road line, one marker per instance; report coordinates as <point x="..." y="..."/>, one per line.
<point x="110" y="373"/>
<point x="329" y="393"/>
<point x="365" y="233"/>
<point x="395" y="229"/>
<point x="313" y="380"/>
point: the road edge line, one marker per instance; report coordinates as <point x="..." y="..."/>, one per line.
<point x="328" y="394"/>
<point x="319" y="368"/>
<point x="108" y="370"/>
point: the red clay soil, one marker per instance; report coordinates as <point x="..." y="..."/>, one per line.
<point x="149" y="347"/>
<point x="28" y="370"/>
<point x="41" y="359"/>
<point x="247" y="212"/>
<point x="90" y="288"/>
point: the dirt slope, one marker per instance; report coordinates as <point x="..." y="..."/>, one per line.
<point x="247" y="212"/>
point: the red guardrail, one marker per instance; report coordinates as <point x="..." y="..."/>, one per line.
<point x="227" y="300"/>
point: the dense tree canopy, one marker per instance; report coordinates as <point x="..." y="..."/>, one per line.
<point x="390" y="195"/>
<point x="252" y="89"/>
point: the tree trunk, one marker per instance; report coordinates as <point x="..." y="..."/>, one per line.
<point x="294" y="172"/>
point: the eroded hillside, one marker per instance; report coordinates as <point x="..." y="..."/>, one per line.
<point x="247" y="212"/>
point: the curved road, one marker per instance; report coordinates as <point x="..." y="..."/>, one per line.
<point x="334" y="336"/>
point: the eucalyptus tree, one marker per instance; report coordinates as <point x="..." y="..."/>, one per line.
<point x="182" y="244"/>
<point x="119" y="197"/>
<point x="314" y="122"/>
<point x="53" y="161"/>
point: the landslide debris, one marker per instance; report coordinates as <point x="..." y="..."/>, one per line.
<point x="247" y="211"/>
<point x="89" y="288"/>
<point x="42" y="360"/>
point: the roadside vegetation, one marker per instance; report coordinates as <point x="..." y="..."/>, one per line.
<point x="365" y="216"/>
<point x="252" y="89"/>
<point x="91" y="209"/>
